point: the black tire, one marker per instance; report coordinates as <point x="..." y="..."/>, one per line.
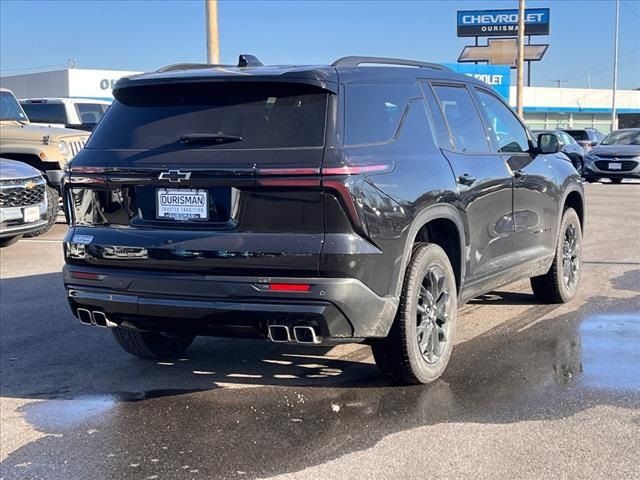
<point x="617" y="181"/>
<point x="592" y="179"/>
<point x="152" y="344"/>
<point x="52" y="212"/>
<point x="560" y="283"/>
<point x="6" y="242"/>
<point x="400" y="356"/>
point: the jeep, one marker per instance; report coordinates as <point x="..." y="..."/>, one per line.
<point x="364" y="201"/>
<point x="47" y="149"/>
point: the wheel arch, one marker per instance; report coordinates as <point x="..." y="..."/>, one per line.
<point x="438" y="224"/>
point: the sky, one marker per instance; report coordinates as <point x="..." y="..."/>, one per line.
<point x="144" y="35"/>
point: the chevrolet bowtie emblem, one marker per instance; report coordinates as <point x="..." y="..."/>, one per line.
<point x="29" y="185"/>
<point x="174" y="176"/>
<point x="501" y="51"/>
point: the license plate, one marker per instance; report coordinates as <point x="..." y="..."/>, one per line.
<point x="615" y="166"/>
<point x="31" y="214"/>
<point x="182" y="204"/>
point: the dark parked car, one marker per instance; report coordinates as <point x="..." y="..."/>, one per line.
<point x="23" y="203"/>
<point x="314" y="205"/>
<point x="616" y="158"/>
<point x="570" y="148"/>
<point x="586" y="137"/>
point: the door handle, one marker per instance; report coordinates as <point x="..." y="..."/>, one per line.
<point x="519" y="174"/>
<point x="466" y="179"/>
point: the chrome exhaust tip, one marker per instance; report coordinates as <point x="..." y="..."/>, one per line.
<point x="84" y="316"/>
<point x="305" y="334"/>
<point x="100" y="320"/>
<point x="279" y="333"/>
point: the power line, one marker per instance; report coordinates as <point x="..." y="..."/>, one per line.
<point x="559" y="81"/>
<point x="32" y="68"/>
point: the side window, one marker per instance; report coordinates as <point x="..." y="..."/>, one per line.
<point x="373" y="112"/>
<point x="567" y="139"/>
<point x="508" y="132"/>
<point x="461" y="115"/>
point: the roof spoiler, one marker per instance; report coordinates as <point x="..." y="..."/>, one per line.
<point x="244" y="60"/>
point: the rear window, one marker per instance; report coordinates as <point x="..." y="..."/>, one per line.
<point x="45" y="112"/>
<point x="578" y="134"/>
<point x="262" y="115"/>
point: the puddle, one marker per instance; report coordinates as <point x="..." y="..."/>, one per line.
<point x="610" y="351"/>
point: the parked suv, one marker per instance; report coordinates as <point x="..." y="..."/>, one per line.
<point x="46" y="149"/>
<point x="314" y="205"/>
<point x="587" y="138"/>
<point x="78" y="113"/>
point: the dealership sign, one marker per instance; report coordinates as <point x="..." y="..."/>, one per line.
<point x="502" y="51"/>
<point x="499" y="77"/>
<point x="502" y="23"/>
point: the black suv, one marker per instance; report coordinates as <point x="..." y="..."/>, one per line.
<point x="314" y="205"/>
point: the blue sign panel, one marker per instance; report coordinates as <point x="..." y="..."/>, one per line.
<point x="502" y="23"/>
<point x="499" y="77"/>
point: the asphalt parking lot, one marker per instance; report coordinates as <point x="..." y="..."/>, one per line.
<point x="532" y="391"/>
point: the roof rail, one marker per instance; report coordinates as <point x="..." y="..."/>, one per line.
<point x="357" y="61"/>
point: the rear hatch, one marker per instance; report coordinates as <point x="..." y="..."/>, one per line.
<point x="194" y="177"/>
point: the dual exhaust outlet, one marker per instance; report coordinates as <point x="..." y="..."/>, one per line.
<point x="99" y="319"/>
<point x="298" y="334"/>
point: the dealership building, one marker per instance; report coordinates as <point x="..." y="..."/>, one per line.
<point x="544" y="107"/>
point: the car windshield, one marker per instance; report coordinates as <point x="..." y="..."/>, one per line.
<point x="10" y="108"/>
<point x="623" y="137"/>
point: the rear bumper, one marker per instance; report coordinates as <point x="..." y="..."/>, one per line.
<point x="340" y="309"/>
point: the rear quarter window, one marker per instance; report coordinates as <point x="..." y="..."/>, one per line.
<point x="264" y="115"/>
<point x="373" y="112"/>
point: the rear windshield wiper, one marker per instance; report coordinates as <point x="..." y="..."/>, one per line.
<point x="216" y="138"/>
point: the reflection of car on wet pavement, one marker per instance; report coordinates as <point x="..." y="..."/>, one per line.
<point x="616" y="158"/>
<point x="306" y="205"/>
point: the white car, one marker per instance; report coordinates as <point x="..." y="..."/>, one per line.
<point x="78" y="113"/>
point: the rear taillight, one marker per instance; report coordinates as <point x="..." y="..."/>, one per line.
<point x="289" y="287"/>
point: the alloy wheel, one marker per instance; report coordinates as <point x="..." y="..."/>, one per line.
<point x="433" y="308"/>
<point x="571" y="256"/>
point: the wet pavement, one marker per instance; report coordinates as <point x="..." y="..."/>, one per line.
<point x="532" y="391"/>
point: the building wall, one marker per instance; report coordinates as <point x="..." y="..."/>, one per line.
<point x="548" y="107"/>
<point x="94" y="83"/>
<point x="73" y="82"/>
<point x="44" y="84"/>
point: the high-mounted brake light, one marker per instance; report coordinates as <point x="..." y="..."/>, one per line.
<point x="289" y="287"/>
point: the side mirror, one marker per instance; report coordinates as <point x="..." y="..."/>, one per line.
<point x="549" y="143"/>
<point x="594" y="143"/>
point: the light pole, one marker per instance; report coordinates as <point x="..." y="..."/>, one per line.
<point x="213" y="45"/>
<point x="614" y="120"/>
<point x="520" y="61"/>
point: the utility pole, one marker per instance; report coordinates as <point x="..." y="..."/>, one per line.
<point x="614" y="120"/>
<point x="520" y="61"/>
<point x="559" y="81"/>
<point x="213" y="45"/>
